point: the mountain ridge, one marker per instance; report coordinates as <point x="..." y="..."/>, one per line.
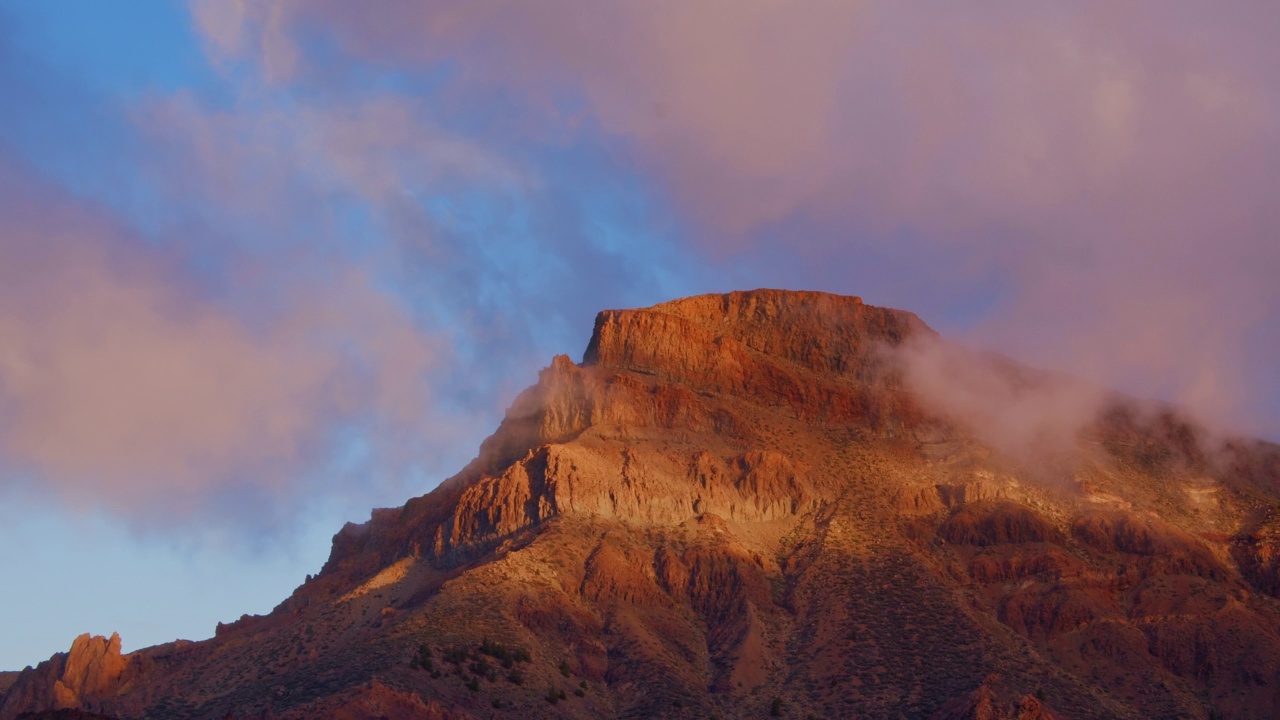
<point x="738" y="504"/>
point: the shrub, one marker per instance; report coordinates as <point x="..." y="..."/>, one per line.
<point x="422" y="659"/>
<point x="506" y="656"/>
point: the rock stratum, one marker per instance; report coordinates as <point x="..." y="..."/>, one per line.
<point x="736" y="506"/>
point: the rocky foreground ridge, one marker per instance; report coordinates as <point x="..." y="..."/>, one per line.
<point x="738" y="506"/>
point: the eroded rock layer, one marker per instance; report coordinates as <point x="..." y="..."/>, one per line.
<point x="736" y="507"/>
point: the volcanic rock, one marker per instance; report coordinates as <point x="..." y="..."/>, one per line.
<point x="87" y="677"/>
<point x="738" y="506"/>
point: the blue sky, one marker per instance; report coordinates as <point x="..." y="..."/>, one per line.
<point x="265" y="266"/>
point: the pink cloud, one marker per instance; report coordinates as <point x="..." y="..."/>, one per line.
<point x="261" y="161"/>
<point x="752" y="109"/>
<point x="746" y="89"/>
<point x="1114" y="161"/>
<point x="1032" y="416"/>
<point x="121" y="386"/>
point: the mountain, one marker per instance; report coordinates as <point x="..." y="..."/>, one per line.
<point x="742" y="506"/>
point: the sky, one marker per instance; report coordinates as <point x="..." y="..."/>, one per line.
<point x="267" y="265"/>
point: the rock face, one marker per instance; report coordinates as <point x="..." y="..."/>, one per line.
<point x="736" y="507"/>
<point x="86" y="678"/>
<point x="983" y="704"/>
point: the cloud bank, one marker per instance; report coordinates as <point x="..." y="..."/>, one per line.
<point x="1109" y="165"/>
<point x="123" y="386"/>
<point x="373" y="224"/>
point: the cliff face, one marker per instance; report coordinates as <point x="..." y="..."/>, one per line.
<point x="735" y="506"/>
<point x="88" y="677"/>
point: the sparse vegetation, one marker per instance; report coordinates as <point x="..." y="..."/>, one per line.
<point x="456" y="655"/>
<point x="506" y="656"/>
<point x="422" y="659"/>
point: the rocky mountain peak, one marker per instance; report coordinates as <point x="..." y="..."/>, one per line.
<point x="719" y="340"/>
<point x="736" y="506"/>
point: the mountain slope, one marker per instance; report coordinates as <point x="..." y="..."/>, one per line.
<point x="737" y="507"/>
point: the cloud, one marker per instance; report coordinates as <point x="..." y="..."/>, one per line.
<point x="122" y="385"/>
<point x="234" y="27"/>
<point x="301" y="296"/>
<point x="381" y="211"/>
<point x="506" y="247"/>
<point x="257" y="157"/>
<point x="1032" y="416"/>
<point x="744" y="91"/>
<point x="1108" y="164"/>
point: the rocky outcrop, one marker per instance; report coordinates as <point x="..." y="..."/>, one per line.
<point x="1258" y="553"/>
<point x="824" y="356"/>
<point x="985" y="704"/>
<point x="376" y="700"/>
<point x="1157" y="545"/>
<point x="996" y="523"/>
<point x="717" y="339"/>
<point x="88" y="677"/>
<point x="92" y="672"/>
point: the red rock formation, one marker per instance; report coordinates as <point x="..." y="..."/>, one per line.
<point x="996" y="524"/>
<point x="1158" y="544"/>
<point x="88" y="677"/>
<point x="735" y="498"/>
<point x="376" y="700"/>
<point x="982" y="704"/>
